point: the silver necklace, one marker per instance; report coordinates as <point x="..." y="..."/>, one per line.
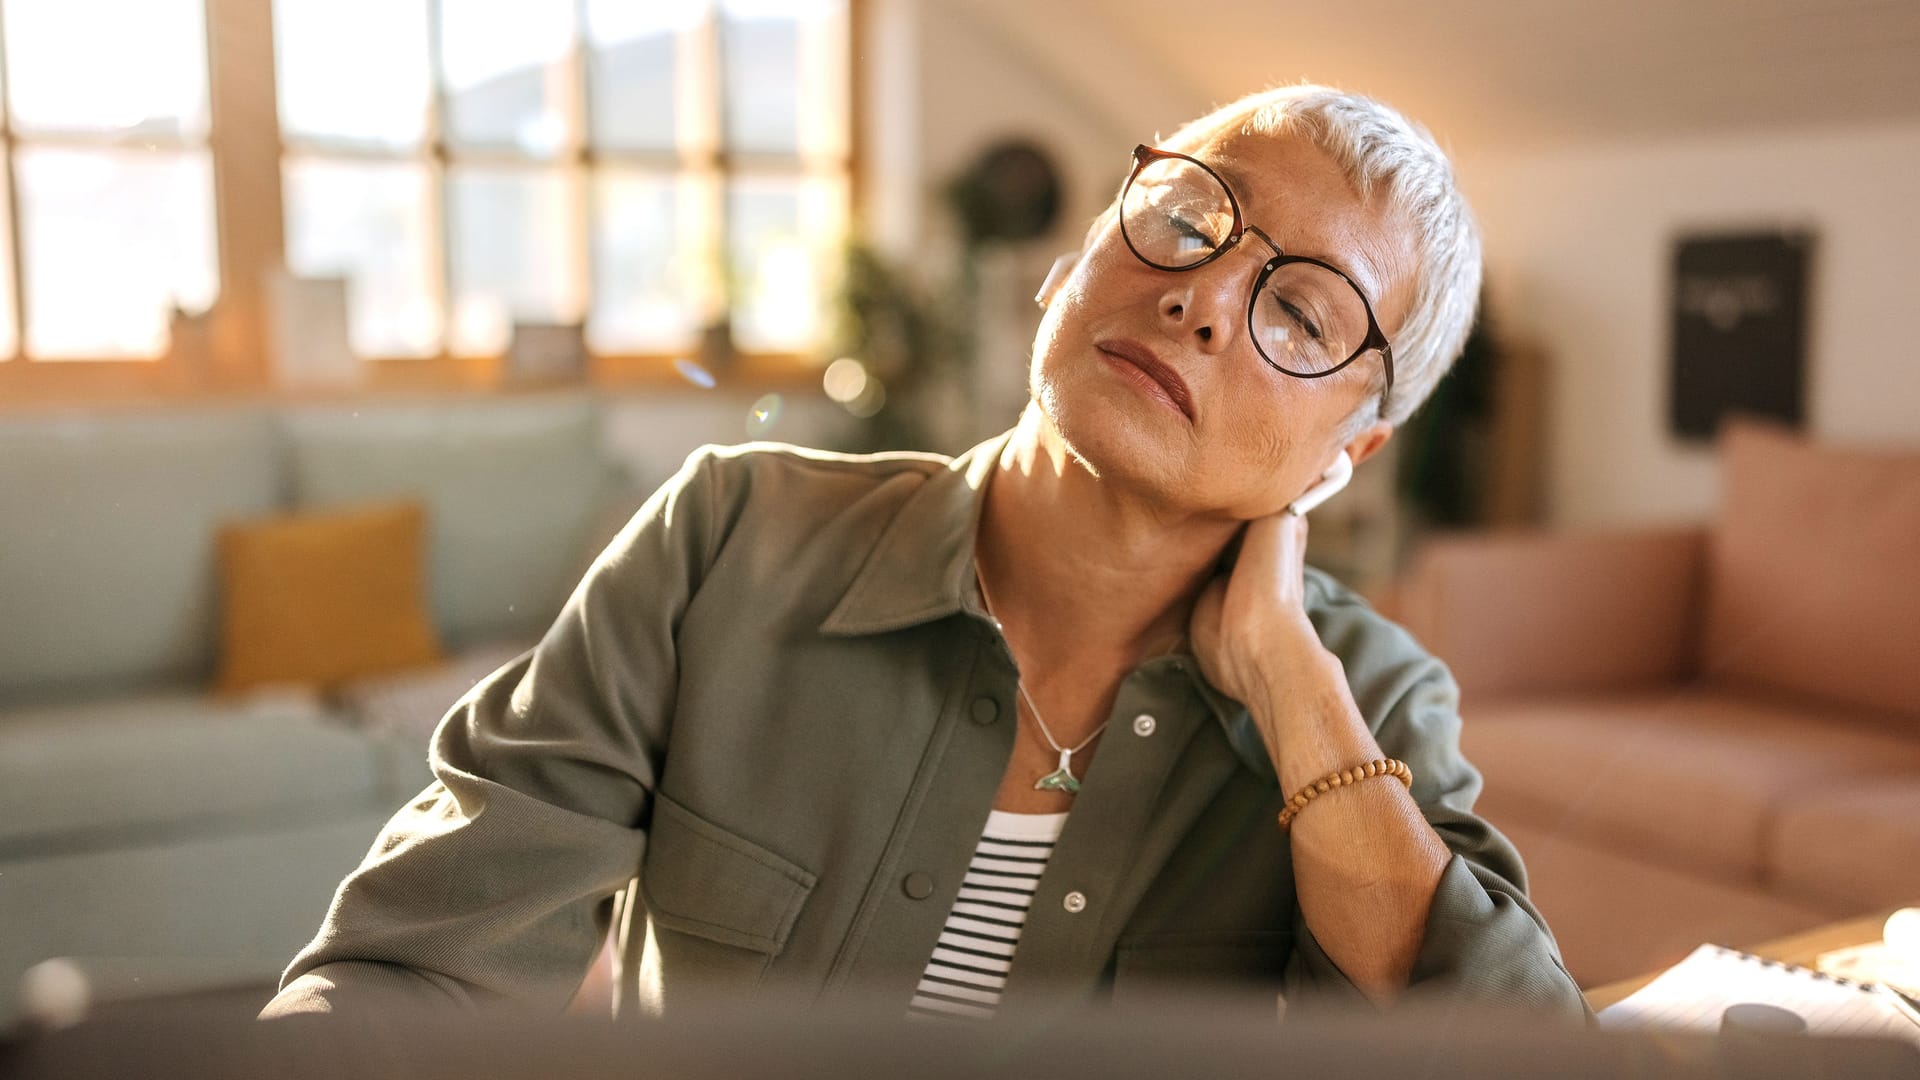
<point x="1062" y="778"/>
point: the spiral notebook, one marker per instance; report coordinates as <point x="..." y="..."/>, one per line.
<point x="1693" y="993"/>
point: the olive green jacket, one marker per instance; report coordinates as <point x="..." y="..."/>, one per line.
<point x="776" y="697"/>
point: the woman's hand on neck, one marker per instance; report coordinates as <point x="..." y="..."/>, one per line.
<point x="1079" y="567"/>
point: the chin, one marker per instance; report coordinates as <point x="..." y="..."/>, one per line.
<point x="1108" y="441"/>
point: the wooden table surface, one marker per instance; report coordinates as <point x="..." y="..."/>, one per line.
<point x="1802" y="949"/>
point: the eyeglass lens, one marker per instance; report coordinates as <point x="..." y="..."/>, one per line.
<point x="1307" y="320"/>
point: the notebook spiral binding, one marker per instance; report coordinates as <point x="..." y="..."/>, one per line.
<point x="1817" y="974"/>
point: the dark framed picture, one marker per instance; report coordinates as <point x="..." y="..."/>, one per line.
<point x="1739" y="329"/>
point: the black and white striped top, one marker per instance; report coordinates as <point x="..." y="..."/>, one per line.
<point x="970" y="963"/>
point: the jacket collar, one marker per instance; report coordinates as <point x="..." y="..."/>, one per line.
<point x="921" y="569"/>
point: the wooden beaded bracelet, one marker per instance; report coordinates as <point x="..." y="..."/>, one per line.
<point x="1381" y="767"/>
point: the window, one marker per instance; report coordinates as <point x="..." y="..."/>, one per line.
<point x="646" y="168"/>
<point x="108" y="179"/>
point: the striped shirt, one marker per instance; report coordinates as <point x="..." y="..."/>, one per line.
<point x="970" y="963"/>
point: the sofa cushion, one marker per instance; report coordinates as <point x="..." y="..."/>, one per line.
<point x="107" y="524"/>
<point x="1691" y="777"/>
<point x="318" y="599"/>
<point x="1527" y="612"/>
<point x="174" y="915"/>
<point x="141" y="770"/>
<point x="1811" y="586"/>
<point x="1855" y="846"/>
<point x="511" y="488"/>
<point x="409" y="705"/>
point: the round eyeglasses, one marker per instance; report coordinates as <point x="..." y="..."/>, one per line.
<point x="1307" y="318"/>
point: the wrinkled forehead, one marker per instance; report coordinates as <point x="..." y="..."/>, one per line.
<point x="1260" y="163"/>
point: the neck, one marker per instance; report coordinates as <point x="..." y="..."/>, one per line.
<point x="1079" y="568"/>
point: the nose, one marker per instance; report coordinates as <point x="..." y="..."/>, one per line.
<point x="1174" y="309"/>
<point x="1200" y="306"/>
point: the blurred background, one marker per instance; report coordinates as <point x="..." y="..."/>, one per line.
<point x="267" y="263"/>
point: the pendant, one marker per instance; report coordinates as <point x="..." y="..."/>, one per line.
<point x="1060" y="779"/>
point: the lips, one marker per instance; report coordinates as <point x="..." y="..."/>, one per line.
<point x="1143" y="358"/>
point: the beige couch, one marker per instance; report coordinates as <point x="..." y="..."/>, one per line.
<point x="1700" y="734"/>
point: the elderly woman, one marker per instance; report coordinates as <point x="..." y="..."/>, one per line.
<point x="1065" y="717"/>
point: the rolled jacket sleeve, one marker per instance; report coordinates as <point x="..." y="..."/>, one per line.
<point x="496" y="885"/>
<point x="1484" y="944"/>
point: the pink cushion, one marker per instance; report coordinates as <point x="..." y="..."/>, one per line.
<point x="1853" y="846"/>
<point x="1693" y="778"/>
<point x="1587" y="610"/>
<point x="1814" y="580"/>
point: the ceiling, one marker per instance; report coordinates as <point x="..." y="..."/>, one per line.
<point x="1497" y="74"/>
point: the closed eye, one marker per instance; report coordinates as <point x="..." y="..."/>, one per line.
<point x="1189" y="231"/>
<point x="1312" y="328"/>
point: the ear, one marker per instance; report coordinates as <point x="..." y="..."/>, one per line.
<point x="1057" y="276"/>
<point x="1369" y="441"/>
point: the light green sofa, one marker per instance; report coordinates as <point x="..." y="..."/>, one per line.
<point x="167" y="841"/>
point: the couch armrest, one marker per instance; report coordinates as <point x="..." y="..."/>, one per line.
<point x="1520" y="612"/>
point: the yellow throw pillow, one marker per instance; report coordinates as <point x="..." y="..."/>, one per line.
<point x="320" y="598"/>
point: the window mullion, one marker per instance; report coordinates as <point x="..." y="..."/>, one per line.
<point x="713" y="83"/>
<point x="439" y="170"/>
<point x="853" y="103"/>
<point x="724" y="162"/>
<point x="244" y="144"/>
<point x="580" y="154"/>
<point x="17" y="281"/>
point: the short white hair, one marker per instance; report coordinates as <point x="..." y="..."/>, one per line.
<point x="1381" y="150"/>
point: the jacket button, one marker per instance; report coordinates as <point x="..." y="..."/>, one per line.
<point x="1075" y="902"/>
<point x="1143" y="725"/>
<point x="918" y="885"/>
<point x="985" y="710"/>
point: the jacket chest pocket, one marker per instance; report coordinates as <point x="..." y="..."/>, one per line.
<point x="1231" y="967"/>
<point x="720" y="906"/>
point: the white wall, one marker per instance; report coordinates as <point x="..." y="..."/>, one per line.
<point x="1579" y="246"/>
<point x="944" y="78"/>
